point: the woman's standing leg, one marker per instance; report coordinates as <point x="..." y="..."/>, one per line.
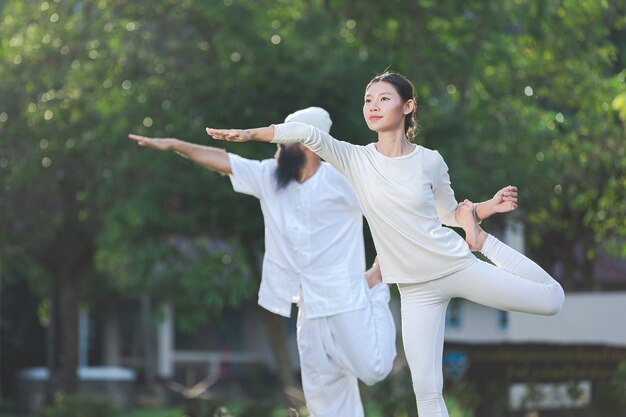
<point x="424" y="307"/>
<point x="423" y="326"/>
<point x="516" y="283"/>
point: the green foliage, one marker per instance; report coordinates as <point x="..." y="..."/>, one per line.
<point x="465" y="396"/>
<point x="393" y="396"/>
<point x="514" y="92"/>
<point x="79" y="406"/>
<point x="610" y="396"/>
<point x="525" y="92"/>
<point x="165" y="412"/>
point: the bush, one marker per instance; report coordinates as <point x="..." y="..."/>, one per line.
<point x="79" y="406"/>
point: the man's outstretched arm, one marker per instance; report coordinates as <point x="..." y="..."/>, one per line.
<point x="215" y="159"/>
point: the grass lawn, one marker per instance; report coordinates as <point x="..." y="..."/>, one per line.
<point x="372" y="410"/>
<point x="234" y="410"/>
<point x="166" y="412"/>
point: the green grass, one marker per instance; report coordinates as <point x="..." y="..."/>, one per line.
<point x="178" y="412"/>
<point x="372" y="410"/>
<point x="166" y="412"/>
<point x="455" y="410"/>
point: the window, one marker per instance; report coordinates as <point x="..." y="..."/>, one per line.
<point x="503" y="320"/>
<point x="453" y="314"/>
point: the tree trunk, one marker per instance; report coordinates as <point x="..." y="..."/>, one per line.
<point x="147" y="339"/>
<point x="112" y="342"/>
<point x="53" y="346"/>
<point x="277" y="335"/>
<point x="69" y="309"/>
<point x="277" y="332"/>
<point x="62" y="351"/>
<point x="588" y="246"/>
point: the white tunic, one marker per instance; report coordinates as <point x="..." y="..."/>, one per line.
<point x="406" y="200"/>
<point x="313" y="239"/>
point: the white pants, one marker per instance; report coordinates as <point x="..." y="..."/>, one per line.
<point x="515" y="283"/>
<point x="337" y="350"/>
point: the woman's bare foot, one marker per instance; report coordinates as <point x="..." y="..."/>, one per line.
<point x="474" y="235"/>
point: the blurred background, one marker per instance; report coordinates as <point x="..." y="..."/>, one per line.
<point x="140" y="270"/>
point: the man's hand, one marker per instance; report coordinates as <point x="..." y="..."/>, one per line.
<point x="160" y="144"/>
<point x="374" y="275"/>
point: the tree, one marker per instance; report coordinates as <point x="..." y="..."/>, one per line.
<point x="527" y="92"/>
<point x="76" y="79"/>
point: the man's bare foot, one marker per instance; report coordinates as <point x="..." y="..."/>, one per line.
<point x="475" y="236"/>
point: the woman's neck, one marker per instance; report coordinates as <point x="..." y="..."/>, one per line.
<point x="394" y="143"/>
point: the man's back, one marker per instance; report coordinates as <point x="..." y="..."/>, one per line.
<point x="313" y="238"/>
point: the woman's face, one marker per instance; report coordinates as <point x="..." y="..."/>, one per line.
<point x="383" y="107"/>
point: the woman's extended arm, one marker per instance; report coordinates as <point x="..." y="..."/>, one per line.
<point x="261" y="134"/>
<point x="328" y="148"/>
<point x="215" y="159"/>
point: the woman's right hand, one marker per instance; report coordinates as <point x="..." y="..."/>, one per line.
<point x="230" y="135"/>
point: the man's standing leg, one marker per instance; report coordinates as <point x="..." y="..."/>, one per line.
<point x="330" y="389"/>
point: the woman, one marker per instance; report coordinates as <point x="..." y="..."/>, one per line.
<point x="405" y="193"/>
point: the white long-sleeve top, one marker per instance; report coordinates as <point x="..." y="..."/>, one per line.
<point x="313" y="239"/>
<point x="406" y="201"/>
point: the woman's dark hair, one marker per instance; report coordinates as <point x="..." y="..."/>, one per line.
<point x="405" y="89"/>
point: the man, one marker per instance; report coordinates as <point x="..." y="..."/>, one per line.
<point x="314" y="255"/>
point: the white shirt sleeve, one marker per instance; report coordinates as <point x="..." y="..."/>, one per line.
<point x="334" y="151"/>
<point x="246" y="176"/>
<point x="340" y="182"/>
<point x="445" y="201"/>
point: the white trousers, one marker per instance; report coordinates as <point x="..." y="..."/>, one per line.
<point x="337" y="350"/>
<point x="515" y="283"/>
